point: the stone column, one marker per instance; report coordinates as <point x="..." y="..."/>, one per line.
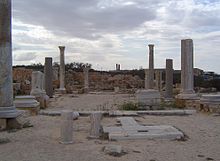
<point x="37" y="88"/>
<point x="146" y="79"/>
<point x="187" y="76"/>
<point x="158" y="80"/>
<point x="169" y="79"/>
<point x="95" y="119"/>
<point x="62" y="88"/>
<point x="48" y="75"/>
<point x="151" y="67"/>
<point x="36" y="84"/>
<point x="86" y="79"/>
<point x="7" y="108"/>
<point x="66" y="131"/>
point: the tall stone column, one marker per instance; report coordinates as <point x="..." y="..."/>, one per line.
<point x="187" y="76"/>
<point x="151" y="67"/>
<point x="86" y="79"/>
<point x="62" y="88"/>
<point x="169" y="79"/>
<point x="48" y="75"/>
<point x="7" y="108"/>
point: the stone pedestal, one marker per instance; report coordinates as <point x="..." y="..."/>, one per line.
<point x="95" y="130"/>
<point x="187" y="75"/>
<point x="86" y="80"/>
<point x="169" y="79"/>
<point x="27" y="103"/>
<point x="148" y="97"/>
<point x="66" y="127"/>
<point x="7" y="108"/>
<point x="62" y="88"/>
<point x="48" y="75"/>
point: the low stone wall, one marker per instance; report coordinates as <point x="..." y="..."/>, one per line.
<point x="74" y="81"/>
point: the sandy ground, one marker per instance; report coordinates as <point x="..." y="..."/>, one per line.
<point x="41" y="142"/>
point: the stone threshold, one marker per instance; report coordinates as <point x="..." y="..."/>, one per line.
<point x="125" y="113"/>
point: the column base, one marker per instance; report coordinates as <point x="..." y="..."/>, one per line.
<point x="9" y="112"/>
<point x="187" y="96"/>
<point x="61" y="90"/>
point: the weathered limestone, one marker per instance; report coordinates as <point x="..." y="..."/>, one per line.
<point x="27" y="103"/>
<point x="7" y="108"/>
<point x="62" y="88"/>
<point x="146" y="79"/>
<point x="48" y="75"/>
<point x="37" y="88"/>
<point x="169" y="79"/>
<point x="95" y="130"/>
<point x="55" y="73"/>
<point x="66" y="131"/>
<point x="210" y="103"/>
<point x="86" y="79"/>
<point x="116" y="89"/>
<point x="149" y="96"/>
<point x="131" y="130"/>
<point x="187" y="76"/>
<point x="151" y="67"/>
<point x="158" y="80"/>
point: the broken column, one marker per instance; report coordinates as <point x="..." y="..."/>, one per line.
<point x="48" y="75"/>
<point x="37" y="89"/>
<point x="151" y="67"/>
<point x="86" y="79"/>
<point x="169" y="79"/>
<point x="187" y="75"/>
<point x="7" y="108"/>
<point x="62" y="88"/>
<point x="66" y="131"/>
<point x="95" y="119"/>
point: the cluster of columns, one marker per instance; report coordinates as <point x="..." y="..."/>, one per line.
<point x="187" y="76"/>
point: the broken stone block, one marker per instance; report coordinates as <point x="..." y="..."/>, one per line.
<point x="3" y="124"/>
<point x="114" y="150"/>
<point x="95" y="130"/>
<point x="18" y="123"/>
<point x="66" y="130"/>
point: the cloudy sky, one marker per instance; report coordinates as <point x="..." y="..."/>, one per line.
<point x="106" y="32"/>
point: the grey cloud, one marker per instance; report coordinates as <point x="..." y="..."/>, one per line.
<point x="82" y="19"/>
<point x="25" y="56"/>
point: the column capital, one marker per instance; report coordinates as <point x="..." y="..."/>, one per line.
<point x="62" y="48"/>
<point x="151" y="45"/>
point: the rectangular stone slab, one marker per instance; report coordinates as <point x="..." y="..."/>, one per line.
<point x="130" y="129"/>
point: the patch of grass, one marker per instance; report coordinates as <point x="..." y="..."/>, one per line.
<point x="129" y="106"/>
